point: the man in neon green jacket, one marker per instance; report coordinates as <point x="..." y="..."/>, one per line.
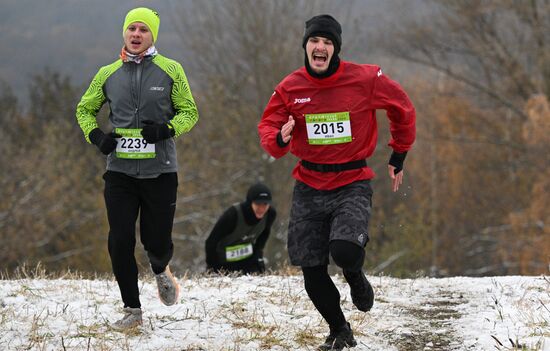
<point x="150" y="105"/>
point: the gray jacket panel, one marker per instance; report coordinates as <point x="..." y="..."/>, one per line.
<point x="138" y="92"/>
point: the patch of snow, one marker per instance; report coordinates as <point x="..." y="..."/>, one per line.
<point x="273" y="312"/>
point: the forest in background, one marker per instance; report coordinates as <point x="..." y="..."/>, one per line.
<point x="474" y="199"/>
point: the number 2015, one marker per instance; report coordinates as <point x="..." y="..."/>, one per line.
<point x="326" y="128"/>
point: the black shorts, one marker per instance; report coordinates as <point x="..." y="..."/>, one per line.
<point x="319" y="216"/>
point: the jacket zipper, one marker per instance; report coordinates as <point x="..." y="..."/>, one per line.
<point x="137" y="97"/>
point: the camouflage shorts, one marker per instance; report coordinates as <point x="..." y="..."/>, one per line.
<point x="319" y="216"/>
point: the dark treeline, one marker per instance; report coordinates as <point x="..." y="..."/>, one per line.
<point x="474" y="201"/>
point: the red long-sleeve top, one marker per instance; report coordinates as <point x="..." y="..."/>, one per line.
<point x="357" y="91"/>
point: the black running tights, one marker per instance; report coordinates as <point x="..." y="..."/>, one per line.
<point x="321" y="289"/>
<point x="325" y="296"/>
<point x="155" y="201"/>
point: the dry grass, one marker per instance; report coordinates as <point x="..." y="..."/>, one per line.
<point x="270" y="317"/>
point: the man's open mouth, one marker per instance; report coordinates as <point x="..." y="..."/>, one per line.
<point x="319" y="57"/>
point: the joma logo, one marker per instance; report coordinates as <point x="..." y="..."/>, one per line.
<point x="302" y="100"/>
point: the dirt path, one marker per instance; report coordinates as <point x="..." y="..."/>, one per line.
<point x="426" y="319"/>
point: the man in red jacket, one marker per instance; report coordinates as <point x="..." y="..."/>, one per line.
<point x="325" y="114"/>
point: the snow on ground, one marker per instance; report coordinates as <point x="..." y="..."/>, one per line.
<point x="273" y="312"/>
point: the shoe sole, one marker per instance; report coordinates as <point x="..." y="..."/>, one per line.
<point x="130" y="328"/>
<point x="174" y="281"/>
<point x="368" y="306"/>
<point x="330" y="348"/>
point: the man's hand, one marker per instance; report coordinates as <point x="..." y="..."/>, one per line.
<point x="154" y="132"/>
<point x="286" y="130"/>
<point x="395" y="168"/>
<point x="396" y="179"/>
<point x="106" y="143"/>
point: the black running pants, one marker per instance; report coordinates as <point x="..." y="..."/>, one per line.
<point x="325" y="296"/>
<point x="154" y="200"/>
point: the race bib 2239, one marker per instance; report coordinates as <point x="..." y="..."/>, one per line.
<point x="132" y="145"/>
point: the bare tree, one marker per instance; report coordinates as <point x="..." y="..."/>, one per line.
<point x="50" y="190"/>
<point x="500" y="49"/>
<point x="495" y="56"/>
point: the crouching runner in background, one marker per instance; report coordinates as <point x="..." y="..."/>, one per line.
<point x="237" y="241"/>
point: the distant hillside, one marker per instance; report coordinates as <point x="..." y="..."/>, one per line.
<point x="72" y="37"/>
<point x="75" y="37"/>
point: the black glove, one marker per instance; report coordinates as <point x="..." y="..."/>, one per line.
<point x="154" y="132"/>
<point x="397" y="160"/>
<point x="106" y="143"/>
<point x="280" y="141"/>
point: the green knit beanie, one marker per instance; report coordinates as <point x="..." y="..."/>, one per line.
<point x="144" y="15"/>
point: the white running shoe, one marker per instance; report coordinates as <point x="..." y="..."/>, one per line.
<point x="132" y="318"/>
<point x="168" y="287"/>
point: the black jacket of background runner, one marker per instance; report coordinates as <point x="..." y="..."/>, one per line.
<point x="224" y="226"/>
